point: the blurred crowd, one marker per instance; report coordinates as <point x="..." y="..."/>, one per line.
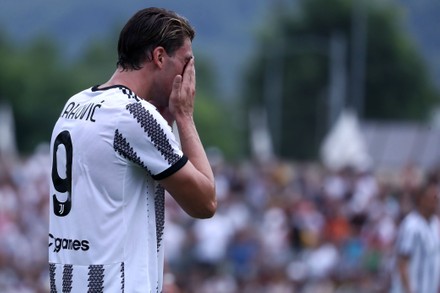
<point x="24" y="214"/>
<point x="280" y="227"/>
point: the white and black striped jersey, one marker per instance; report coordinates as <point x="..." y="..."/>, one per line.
<point x="108" y="150"/>
<point x="419" y="239"/>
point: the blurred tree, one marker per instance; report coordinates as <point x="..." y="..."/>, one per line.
<point x="398" y="83"/>
<point x="33" y="81"/>
<point x="215" y="117"/>
<point x="296" y="68"/>
<point x="37" y="81"/>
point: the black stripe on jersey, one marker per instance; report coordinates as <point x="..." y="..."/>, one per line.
<point x="125" y="90"/>
<point x="52" y="272"/>
<point x="96" y="279"/>
<point x="67" y="278"/>
<point x="171" y="170"/>
<point x="159" y="202"/>
<point x="122" y="277"/>
<point x="129" y="93"/>
<point x="121" y="145"/>
<point x="421" y="265"/>
<point x="154" y="131"/>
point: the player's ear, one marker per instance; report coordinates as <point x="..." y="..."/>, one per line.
<point x="158" y="55"/>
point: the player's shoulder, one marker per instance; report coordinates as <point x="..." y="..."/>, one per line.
<point x="413" y="221"/>
<point x="134" y="110"/>
<point x="121" y="95"/>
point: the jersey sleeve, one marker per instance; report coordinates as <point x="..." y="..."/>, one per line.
<point x="143" y="137"/>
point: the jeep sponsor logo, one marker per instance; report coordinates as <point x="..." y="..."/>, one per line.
<point x="69" y="244"/>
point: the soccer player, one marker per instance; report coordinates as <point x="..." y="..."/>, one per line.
<point x="113" y="156"/>
<point x="417" y="268"/>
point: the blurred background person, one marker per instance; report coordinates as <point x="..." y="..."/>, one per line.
<point x="417" y="267"/>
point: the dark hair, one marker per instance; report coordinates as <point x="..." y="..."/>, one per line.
<point x="148" y="29"/>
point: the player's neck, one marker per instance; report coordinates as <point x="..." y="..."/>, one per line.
<point x="132" y="79"/>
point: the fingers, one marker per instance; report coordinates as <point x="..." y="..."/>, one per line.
<point x="177" y="83"/>
<point x="190" y="72"/>
<point x="177" y="86"/>
<point x="183" y="91"/>
<point x="189" y="78"/>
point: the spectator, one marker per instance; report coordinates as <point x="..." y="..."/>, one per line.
<point x="281" y="218"/>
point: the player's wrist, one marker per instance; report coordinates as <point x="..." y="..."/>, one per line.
<point x="184" y="116"/>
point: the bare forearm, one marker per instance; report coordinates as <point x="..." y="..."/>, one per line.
<point x="193" y="186"/>
<point x="192" y="146"/>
